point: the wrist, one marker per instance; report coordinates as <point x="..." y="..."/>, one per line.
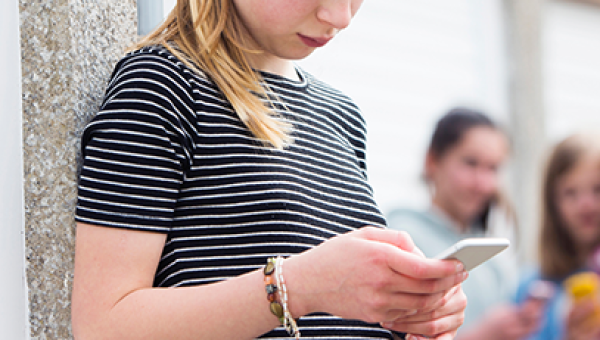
<point x="300" y="303"/>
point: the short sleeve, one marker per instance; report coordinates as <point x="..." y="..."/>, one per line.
<point x="138" y="147"/>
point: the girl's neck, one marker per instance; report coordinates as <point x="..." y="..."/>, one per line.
<point x="274" y="65"/>
<point x="458" y="224"/>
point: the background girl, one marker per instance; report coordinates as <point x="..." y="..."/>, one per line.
<point x="213" y="153"/>
<point x="569" y="233"/>
<point x="462" y="167"/>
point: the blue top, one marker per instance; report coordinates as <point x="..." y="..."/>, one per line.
<point x="489" y="284"/>
<point x="555" y="313"/>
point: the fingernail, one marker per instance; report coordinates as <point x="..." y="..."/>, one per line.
<point x="411" y="312"/>
<point x="387" y="324"/>
<point x="459" y="268"/>
<point x="414" y="337"/>
<point x="465" y="275"/>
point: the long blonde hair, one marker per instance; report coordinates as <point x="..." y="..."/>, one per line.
<point x="208" y="36"/>
<point x="558" y="254"/>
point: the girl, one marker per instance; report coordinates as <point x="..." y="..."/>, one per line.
<point x="462" y="168"/>
<point x="223" y="193"/>
<point x="570" y="231"/>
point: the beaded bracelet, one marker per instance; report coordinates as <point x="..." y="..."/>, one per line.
<point x="279" y="308"/>
<point x="271" y="288"/>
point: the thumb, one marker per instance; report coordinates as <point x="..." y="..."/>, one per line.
<point x="400" y="239"/>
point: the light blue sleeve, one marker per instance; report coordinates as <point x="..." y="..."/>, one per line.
<point x="428" y="236"/>
<point x="552" y="326"/>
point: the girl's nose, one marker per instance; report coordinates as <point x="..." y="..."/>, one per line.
<point x="336" y="13"/>
<point x="487" y="181"/>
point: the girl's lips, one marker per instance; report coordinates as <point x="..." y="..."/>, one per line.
<point x="314" y="42"/>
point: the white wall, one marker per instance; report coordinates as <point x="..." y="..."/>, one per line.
<point x="405" y="63"/>
<point x="572" y="67"/>
<point x="13" y="297"/>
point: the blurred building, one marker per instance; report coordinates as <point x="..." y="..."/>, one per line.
<point x="532" y="64"/>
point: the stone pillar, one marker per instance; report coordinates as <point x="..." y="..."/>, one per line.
<point x="68" y="49"/>
<point x="525" y="19"/>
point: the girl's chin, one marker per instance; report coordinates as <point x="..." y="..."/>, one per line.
<point x="590" y="238"/>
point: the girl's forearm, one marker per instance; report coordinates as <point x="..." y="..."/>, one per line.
<point x="185" y="313"/>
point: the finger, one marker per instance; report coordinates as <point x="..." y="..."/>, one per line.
<point x="402" y="301"/>
<point x="450" y="296"/>
<point x="456" y="303"/>
<point x="445" y="336"/>
<point x="579" y="313"/>
<point x="431" y="328"/>
<point x="410" y="264"/>
<point x="400" y="239"/>
<point x="417" y="267"/>
<point x="418" y="251"/>
<point x="405" y="284"/>
<point x="396" y="314"/>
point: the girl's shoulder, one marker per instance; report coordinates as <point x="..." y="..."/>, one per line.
<point x="156" y="61"/>
<point x="402" y="218"/>
<point x="327" y="92"/>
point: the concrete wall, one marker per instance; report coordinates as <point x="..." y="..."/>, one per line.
<point x="68" y="48"/>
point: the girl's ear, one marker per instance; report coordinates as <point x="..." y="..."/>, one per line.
<point x="430" y="165"/>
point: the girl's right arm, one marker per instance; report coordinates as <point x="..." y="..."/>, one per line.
<point x="370" y="274"/>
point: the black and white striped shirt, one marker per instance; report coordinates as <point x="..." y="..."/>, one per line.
<point x="166" y="153"/>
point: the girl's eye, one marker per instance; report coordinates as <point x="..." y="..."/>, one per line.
<point x="471" y="162"/>
<point x="569" y="193"/>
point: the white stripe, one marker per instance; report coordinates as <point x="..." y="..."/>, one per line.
<point x="129" y="185"/>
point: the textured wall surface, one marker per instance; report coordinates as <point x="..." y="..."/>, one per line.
<point x="69" y="48"/>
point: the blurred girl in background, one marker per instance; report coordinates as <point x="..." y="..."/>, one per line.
<point x="462" y="166"/>
<point x="570" y="231"/>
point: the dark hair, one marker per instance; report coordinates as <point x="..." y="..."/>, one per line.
<point x="449" y="131"/>
<point x="453" y="126"/>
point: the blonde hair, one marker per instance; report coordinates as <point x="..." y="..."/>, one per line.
<point x="208" y="36"/>
<point x="557" y="250"/>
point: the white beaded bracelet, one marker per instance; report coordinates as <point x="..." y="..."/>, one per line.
<point x="288" y="321"/>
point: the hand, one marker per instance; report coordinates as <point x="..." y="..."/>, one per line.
<point x="508" y="322"/>
<point x="374" y="275"/>
<point x="579" y="326"/>
<point x="439" y="323"/>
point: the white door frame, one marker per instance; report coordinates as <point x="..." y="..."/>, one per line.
<point x="13" y="288"/>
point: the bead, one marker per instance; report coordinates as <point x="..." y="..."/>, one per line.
<point x="271" y="289"/>
<point x="271" y="297"/>
<point x="269" y="268"/>
<point x="276" y="309"/>
<point x="268" y="280"/>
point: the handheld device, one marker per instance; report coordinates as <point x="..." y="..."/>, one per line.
<point x="474" y="251"/>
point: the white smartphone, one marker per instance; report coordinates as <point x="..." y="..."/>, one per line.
<point x="474" y="251"/>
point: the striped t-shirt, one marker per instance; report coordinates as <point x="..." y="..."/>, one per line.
<point x="166" y="153"/>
